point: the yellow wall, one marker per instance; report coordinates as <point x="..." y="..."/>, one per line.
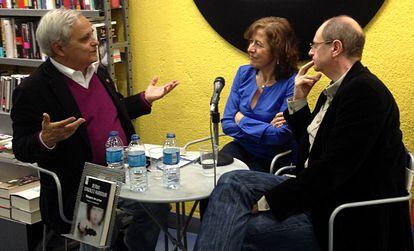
<point x="171" y="39"/>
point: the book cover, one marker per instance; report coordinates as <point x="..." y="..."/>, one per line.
<point x="26" y="217"/>
<point x="93" y="216"/>
<point x="18" y="184"/>
<point x="26" y="200"/>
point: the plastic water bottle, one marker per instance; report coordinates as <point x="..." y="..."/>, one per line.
<point x="138" y="179"/>
<point x="171" y="158"/>
<point x="114" y="151"/>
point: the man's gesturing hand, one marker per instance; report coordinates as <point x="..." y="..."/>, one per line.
<point x="154" y="92"/>
<point x="303" y="82"/>
<point x="54" y="132"/>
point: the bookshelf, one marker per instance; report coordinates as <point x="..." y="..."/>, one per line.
<point x="105" y="16"/>
<point x="21" y="62"/>
<point x="41" y="12"/>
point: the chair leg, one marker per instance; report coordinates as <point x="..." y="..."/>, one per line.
<point x="166" y="241"/>
<point x="44" y="237"/>
<point x="166" y="236"/>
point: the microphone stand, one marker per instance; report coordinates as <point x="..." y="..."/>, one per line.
<point x="215" y="119"/>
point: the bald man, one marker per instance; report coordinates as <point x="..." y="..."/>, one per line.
<point x="350" y="149"/>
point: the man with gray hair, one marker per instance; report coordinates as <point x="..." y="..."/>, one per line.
<point x="350" y="149"/>
<point x="62" y="115"/>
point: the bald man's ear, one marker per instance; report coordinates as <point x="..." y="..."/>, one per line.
<point x="57" y="49"/>
<point x="337" y="48"/>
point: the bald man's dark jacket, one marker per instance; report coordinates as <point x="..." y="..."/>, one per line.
<point x="357" y="155"/>
<point x="46" y="91"/>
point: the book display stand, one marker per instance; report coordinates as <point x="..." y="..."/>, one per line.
<point x="96" y="203"/>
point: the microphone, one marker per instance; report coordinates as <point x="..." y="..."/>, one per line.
<point x="218" y="86"/>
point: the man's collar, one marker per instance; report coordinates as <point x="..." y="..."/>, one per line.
<point x="69" y="71"/>
<point x="331" y="90"/>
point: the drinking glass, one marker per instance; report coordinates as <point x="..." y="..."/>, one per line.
<point x="155" y="168"/>
<point x="208" y="159"/>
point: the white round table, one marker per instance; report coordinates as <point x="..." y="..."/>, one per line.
<point x="194" y="186"/>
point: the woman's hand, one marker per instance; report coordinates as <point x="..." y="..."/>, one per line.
<point x="278" y="120"/>
<point x="238" y="117"/>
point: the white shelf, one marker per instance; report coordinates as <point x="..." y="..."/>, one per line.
<point x="21" y="61"/>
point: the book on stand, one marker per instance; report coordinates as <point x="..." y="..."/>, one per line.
<point x="94" y="212"/>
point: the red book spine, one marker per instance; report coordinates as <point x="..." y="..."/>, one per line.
<point x="66" y="3"/>
<point x="115" y="4"/>
<point x="76" y="4"/>
<point x="20" y="4"/>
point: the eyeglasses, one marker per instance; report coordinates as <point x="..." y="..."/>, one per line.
<point x="314" y="45"/>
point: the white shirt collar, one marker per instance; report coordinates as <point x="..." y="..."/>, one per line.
<point x="77" y="76"/>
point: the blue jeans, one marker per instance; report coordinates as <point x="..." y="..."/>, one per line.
<point x="236" y="150"/>
<point x="140" y="232"/>
<point x="229" y="224"/>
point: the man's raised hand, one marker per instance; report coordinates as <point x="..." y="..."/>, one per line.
<point x="304" y="82"/>
<point x="54" y="132"/>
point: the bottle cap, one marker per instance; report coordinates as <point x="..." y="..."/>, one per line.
<point x="113" y="133"/>
<point x="134" y="137"/>
<point x="170" y="135"/>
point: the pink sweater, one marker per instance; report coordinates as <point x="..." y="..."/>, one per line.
<point x="100" y="113"/>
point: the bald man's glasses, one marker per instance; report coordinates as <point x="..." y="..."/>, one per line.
<point x="315" y="45"/>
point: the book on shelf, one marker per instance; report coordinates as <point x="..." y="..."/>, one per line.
<point x="5" y="142"/>
<point x="26" y="200"/>
<point x="7" y="36"/>
<point x="51" y="4"/>
<point x="26" y="217"/>
<point x="4" y="202"/>
<point x="5" y="212"/>
<point x="18" y="184"/>
<point x="5" y="138"/>
<point x="99" y="32"/>
<point x="1" y="41"/>
<point x="7" y="86"/>
<point x="94" y="211"/>
<point x="115" y="4"/>
<point x="18" y="36"/>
